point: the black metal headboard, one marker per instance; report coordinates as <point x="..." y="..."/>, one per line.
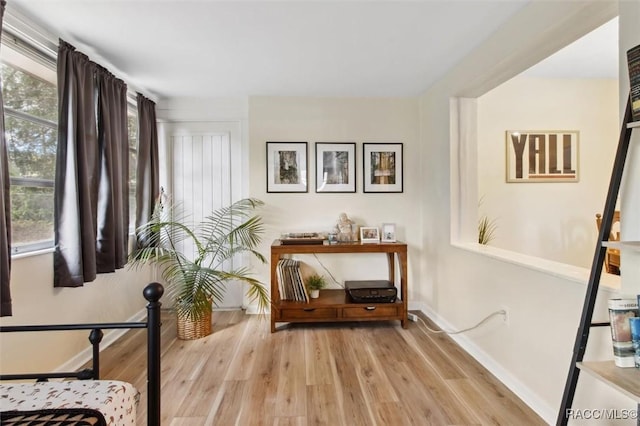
<point x="152" y="293"/>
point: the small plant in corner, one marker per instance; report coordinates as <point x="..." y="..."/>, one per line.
<point x="486" y="227"/>
<point x="315" y="283"/>
<point x="486" y="230"/>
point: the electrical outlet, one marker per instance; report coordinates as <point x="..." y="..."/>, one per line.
<point x="504" y="311"/>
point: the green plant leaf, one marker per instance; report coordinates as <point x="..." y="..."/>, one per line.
<point x="195" y="281"/>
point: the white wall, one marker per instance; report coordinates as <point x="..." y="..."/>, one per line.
<point x="338" y="120"/>
<point x="557" y="220"/>
<point x="533" y="352"/>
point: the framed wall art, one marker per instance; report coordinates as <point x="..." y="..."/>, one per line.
<point x="335" y="167"/>
<point x="542" y="155"/>
<point x="286" y="167"/>
<point x="382" y="167"/>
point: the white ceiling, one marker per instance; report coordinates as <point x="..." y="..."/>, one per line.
<point x="189" y="48"/>
<point x="595" y="55"/>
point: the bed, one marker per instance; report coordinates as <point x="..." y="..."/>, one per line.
<point x="81" y="398"/>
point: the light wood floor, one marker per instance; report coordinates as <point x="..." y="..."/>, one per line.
<point x="340" y="374"/>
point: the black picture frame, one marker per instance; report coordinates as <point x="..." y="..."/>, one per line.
<point x="287" y="169"/>
<point x="335" y="167"/>
<point x="382" y="167"/>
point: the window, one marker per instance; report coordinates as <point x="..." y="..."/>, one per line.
<point x="31" y="129"/>
<point x="132" y="123"/>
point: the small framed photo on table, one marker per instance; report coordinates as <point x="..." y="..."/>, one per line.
<point x="369" y="234"/>
<point x="388" y="232"/>
<point x="286" y="167"/>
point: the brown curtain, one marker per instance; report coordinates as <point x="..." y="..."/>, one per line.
<point x="147" y="180"/>
<point x="113" y="202"/>
<point x="77" y="170"/>
<point x="92" y="168"/>
<point x="5" y="210"/>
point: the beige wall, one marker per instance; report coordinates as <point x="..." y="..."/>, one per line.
<point x="554" y="221"/>
<point x="337" y="120"/>
<point x="532" y="353"/>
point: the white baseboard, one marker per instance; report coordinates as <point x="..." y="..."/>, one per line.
<point x="110" y="336"/>
<point x="529" y="397"/>
<point x="253" y="310"/>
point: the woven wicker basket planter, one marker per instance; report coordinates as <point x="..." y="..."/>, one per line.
<point x="191" y="329"/>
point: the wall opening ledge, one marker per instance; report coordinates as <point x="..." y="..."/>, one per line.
<point x="576" y="274"/>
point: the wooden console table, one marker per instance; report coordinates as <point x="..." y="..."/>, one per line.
<point x="334" y="304"/>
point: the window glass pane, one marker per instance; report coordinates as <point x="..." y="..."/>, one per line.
<point x="31" y="215"/>
<point x="31" y="115"/>
<point x="133" y="164"/>
<point x="28" y="93"/>
<point x="32" y="148"/>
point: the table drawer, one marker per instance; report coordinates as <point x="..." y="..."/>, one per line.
<point x="304" y="313"/>
<point x="370" y="311"/>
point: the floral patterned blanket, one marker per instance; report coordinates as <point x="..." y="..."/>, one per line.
<point x="77" y="403"/>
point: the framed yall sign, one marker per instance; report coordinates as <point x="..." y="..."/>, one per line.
<point x="542" y="156"/>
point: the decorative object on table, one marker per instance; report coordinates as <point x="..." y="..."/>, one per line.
<point x="369" y="234"/>
<point x="633" y="62"/>
<point x="335" y="167"/>
<point x="302" y="238"/>
<point x="620" y="310"/>
<point x="382" y="167"/>
<point x="388" y="233"/>
<point x="542" y="156"/>
<point x="345" y="229"/>
<point x="196" y="259"/>
<point x="287" y="167"/>
<point x="315" y="283"/>
<point x="332" y="237"/>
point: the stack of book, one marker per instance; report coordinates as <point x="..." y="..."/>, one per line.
<point x="290" y="281"/>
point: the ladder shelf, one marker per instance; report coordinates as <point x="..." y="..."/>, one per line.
<point x="626" y="380"/>
<point x="622" y="245"/>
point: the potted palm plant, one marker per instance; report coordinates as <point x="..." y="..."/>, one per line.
<point x="195" y="281"/>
